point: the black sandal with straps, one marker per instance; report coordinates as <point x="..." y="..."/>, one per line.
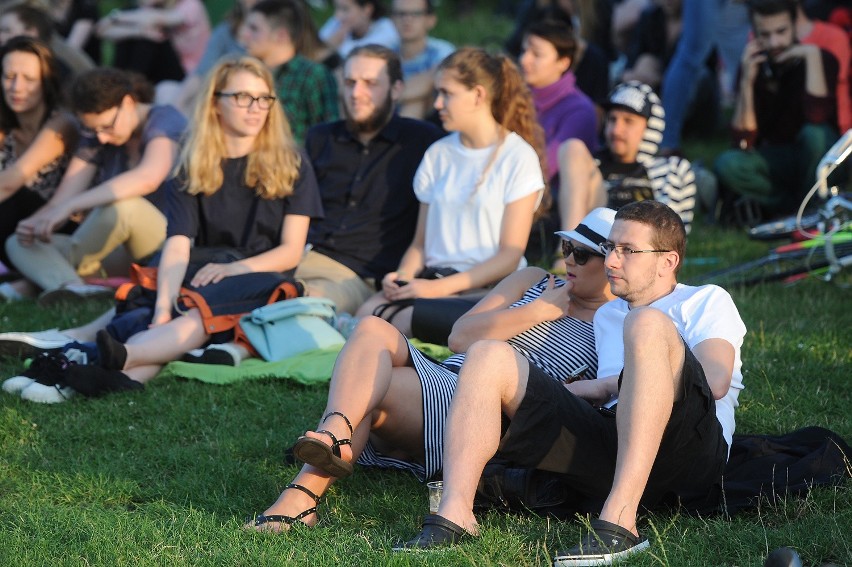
<point x="322" y="456"/>
<point x="262" y="520"/>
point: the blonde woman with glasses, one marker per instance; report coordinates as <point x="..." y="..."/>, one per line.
<point x="242" y="190"/>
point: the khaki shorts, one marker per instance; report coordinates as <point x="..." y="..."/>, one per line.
<point x="324" y="277"/>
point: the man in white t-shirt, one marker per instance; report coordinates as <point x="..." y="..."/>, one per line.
<point x="669" y="353"/>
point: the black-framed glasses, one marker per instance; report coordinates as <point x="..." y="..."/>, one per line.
<point x="622" y="250"/>
<point x="581" y="255"/>
<point x="107" y="129"/>
<point x="245" y="100"/>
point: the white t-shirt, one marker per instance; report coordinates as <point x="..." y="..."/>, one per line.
<point x="382" y="32"/>
<point x="699" y="313"/>
<point x="463" y="223"/>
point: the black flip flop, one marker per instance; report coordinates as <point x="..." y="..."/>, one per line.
<point x="437" y="532"/>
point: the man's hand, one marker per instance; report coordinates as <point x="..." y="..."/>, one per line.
<point x="596" y="392"/>
<point x="798" y="51"/>
<point x="417" y="287"/>
<point x="40" y="226"/>
<point x="753" y="57"/>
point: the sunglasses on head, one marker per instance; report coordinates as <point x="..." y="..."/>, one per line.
<point x="581" y="255"/>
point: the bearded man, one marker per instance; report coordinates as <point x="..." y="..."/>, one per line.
<point x="365" y="167"/>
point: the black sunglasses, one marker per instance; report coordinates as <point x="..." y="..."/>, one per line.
<point x="581" y="255"/>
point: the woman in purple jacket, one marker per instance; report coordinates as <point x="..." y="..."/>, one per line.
<point x="564" y="111"/>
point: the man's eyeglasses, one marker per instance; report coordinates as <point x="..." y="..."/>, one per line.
<point x="581" y="255"/>
<point x="103" y="129"/>
<point x="245" y="100"/>
<point x="621" y="250"/>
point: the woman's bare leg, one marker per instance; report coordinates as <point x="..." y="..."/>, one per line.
<point x="149" y="350"/>
<point x="166" y="342"/>
<point x="375" y="388"/>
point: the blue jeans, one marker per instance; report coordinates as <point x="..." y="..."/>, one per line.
<point x="697" y="38"/>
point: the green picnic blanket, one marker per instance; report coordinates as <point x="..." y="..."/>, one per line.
<point x="309" y="368"/>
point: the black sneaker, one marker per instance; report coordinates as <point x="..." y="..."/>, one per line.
<point x="604" y="545"/>
<point x="48" y="372"/>
<point x="94" y="381"/>
<point x="219" y="354"/>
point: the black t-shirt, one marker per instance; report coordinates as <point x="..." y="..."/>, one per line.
<point x="82" y="10"/>
<point x="220" y="220"/>
<point x="625" y="182"/>
<point x="781" y="101"/>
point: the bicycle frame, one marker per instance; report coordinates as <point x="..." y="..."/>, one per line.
<point x="823" y="252"/>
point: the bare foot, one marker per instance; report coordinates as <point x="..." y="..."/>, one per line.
<point x="460" y="515"/>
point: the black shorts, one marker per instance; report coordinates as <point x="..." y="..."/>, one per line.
<point x="555" y="430"/>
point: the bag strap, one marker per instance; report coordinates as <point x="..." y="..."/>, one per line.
<point x="212" y="323"/>
<point x="388" y="311"/>
<point x="141" y="276"/>
<point x="286" y="290"/>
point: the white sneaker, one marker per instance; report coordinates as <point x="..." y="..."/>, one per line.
<point x="72" y="292"/>
<point x="47" y="373"/>
<point x="28" y="345"/>
<point x="42" y="394"/>
<point x="16" y="384"/>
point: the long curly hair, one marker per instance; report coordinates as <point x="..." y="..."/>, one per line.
<point x="511" y="101"/>
<point x="273" y="163"/>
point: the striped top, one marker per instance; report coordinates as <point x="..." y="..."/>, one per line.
<point x="557" y="347"/>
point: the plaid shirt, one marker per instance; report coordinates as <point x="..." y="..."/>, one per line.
<point x="308" y="93"/>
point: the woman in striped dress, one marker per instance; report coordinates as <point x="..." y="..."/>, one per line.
<point x="387" y="402"/>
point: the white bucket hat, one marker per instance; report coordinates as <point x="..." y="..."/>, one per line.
<point x="593" y="229"/>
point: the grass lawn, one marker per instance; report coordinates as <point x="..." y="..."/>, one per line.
<point x="167" y="476"/>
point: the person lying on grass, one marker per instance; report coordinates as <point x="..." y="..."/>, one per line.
<point x="670" y="355"/>
<point x="387" y="402"/>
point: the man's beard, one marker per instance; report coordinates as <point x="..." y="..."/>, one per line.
<point x="372" y="123"/>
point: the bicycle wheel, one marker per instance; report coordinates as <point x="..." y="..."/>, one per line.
<point x="778" y="265"/>
<point x="782" y="228"/>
